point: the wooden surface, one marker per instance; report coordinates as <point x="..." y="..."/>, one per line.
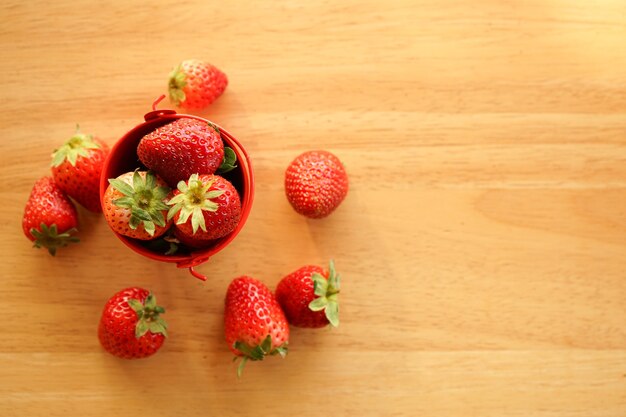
<point x="482" y="244"/>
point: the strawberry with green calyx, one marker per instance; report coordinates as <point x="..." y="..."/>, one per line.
<point x="195" y="84"/>
<point x="76" y="168"/>
<point x="135" y="205"/>
<point x="50" y="218"/>
<point x="131" y="326"/>
<point x="254" y="324"/>
<point x="309" y="296"/>
<point x="205" y="207"/>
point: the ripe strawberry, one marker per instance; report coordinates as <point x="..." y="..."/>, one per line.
<point x="50" y="218"/>
<point x="194" y="84"/>
<point x="303" y="295"/>
<point x="254" y="324"/>
<point x="205" y="207"/>
<point x="190" y="242"/>
<point x="130" y="327"/>
<point x="316" y="183"/>
<point x="76" y="168"/>
<point x="135" y="205"/>
<point x="181" y="148"/>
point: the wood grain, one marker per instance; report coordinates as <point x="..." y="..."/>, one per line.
<point x="482" y="244"/>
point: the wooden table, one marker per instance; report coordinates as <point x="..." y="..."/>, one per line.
<point x="482" y="244"/>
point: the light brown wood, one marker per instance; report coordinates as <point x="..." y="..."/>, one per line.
<point x="482" y="244"/>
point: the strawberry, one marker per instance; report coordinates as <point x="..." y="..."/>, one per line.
<point x="76" y="168"/>
<point x="316" y="183"/>
<point x="254" y="324"/>
<point x="303" y="295"/>
<point x="135" y="205"/>
<point x="50" y="218"/>
<point x="190" y="242"/>
<point x="194" y="84"/>
<point x="205" y="207"/>
<point x="130" y="326"/>
<point x="181" y="148"/>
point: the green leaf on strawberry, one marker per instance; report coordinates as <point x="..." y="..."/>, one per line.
<point x="148" y="319"/>
<point x="78" y="145"/>
<point x="177" y="82"/>
<point x="327" y="292"/>
<point x="228" y="163"/>
<point x="258" y="352"/>
<point x="48" y="237"/>
<point x="144" y="199"/>
<point x="194" y="198"/>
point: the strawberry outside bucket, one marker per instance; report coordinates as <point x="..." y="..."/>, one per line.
<point x="123" y="158"/>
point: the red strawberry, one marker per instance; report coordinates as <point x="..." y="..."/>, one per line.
<point x="316" y="183"/>
<point x="254" y="324"/>
<point x="50" y="218"/>
<point x="303" y="295"/>
<point x="76" y="168"/>
<point x="190" y="242"/>
<point x="135" y="205"/>
<point x="194" y="84"/>
<point x="205" y="207"/>
<point x="130" y="326"/>
<point x="181" y="148"/>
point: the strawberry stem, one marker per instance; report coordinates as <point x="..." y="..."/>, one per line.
<point x="241" y="366"/>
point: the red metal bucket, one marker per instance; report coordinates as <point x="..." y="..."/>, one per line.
<point x="123" y="158"/>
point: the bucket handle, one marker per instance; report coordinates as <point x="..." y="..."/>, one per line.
<point x="197" y="274"/>
<point x="192" y="264"/>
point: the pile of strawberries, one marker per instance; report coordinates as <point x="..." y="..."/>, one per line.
<point x="181" y="197"/>
<point x="50" y="219"/>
